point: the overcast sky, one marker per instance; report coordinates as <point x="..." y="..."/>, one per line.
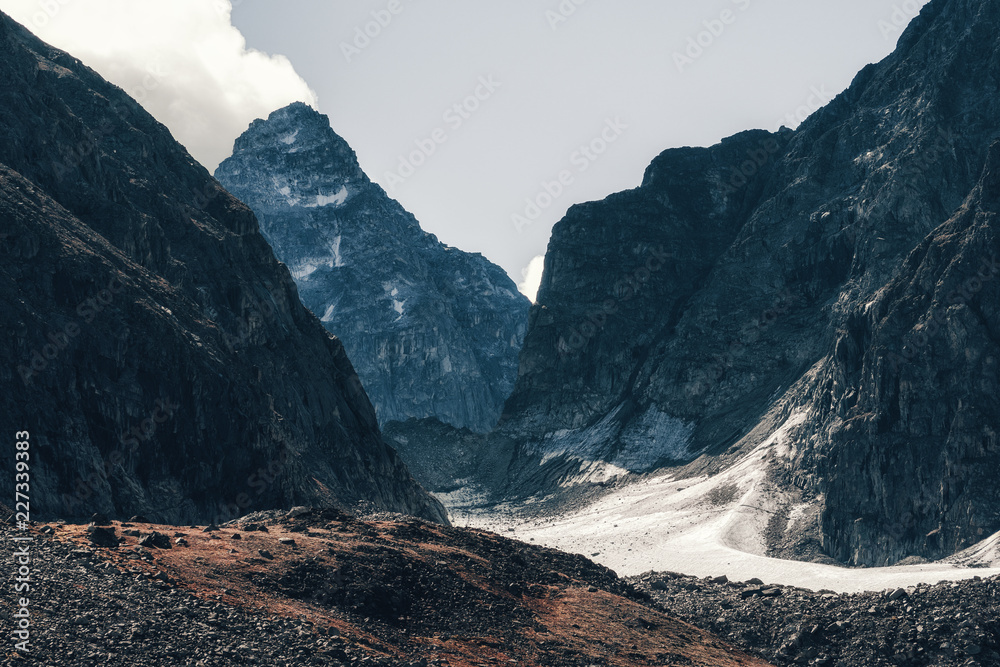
<point x="471" y="112"/>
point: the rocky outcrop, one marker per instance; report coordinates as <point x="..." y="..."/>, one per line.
<point x="157" y="354"/>
<point x="447" y="459"/>
<point x="322" y="587"/>
<point x="683" y="323"/>
<point x="908" y="399"/>
<point x="950" y="623"/>
<point x="434" y="332"/>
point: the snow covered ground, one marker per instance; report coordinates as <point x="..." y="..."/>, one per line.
<point x="705" y="527"/>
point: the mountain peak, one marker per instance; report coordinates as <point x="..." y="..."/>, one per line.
<point x="298" y="139"/>
<point x="433" y="331"/>
<point x="159" y="348"/>
<point x="295" y="115"/>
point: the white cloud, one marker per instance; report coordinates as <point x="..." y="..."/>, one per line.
<point x="181" y="59"/>
<point x="532" y="275"/>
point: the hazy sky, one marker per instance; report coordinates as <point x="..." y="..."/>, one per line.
<point x="469" y="112"/>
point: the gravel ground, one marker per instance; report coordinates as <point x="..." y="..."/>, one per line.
<point x="942" y="624"/>
<point x="87" y="612"/>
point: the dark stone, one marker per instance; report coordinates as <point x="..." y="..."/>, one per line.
<point x="103" y="537"/>
<point x="155" y="540"/>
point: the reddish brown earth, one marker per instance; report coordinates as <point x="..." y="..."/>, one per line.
<point x="412" y="590"/>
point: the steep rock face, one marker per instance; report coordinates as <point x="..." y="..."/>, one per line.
<point x="774" y="244"/>
<point x="446" y="459"/>
<point x="156" y="351"/>
<point x="909" y="399"/>
<point x="618" y="277"/>
<point x="433" y="331"/>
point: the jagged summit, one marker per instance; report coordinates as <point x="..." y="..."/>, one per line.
<point x="156" y="351"/>
<point x="433" y="331"/>
<point x="326" y="168"/>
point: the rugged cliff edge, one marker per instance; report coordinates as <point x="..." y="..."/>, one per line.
<point x="156" y="351"/>
<point x="434" y="332"/>
<point x="758" y="287"/>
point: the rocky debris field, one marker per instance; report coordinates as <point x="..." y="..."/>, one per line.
<point x="319" y="587"/>
<point x="942" y="624"/>
<point x="87" y="611"/>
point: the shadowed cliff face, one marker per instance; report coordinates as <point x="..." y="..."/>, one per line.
<point x="157" y="352"/>
<point x="773" y="249"/>
<point x="433" y="331"/>
<point x="908" y="398"/>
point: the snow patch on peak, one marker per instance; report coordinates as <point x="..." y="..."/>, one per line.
<point x="338" y="260"/>
<point x="392" y="292"/>
<point x="304" y="271"/>
<point x="290" y="139"/>
<point x="327" y="200"/>
<point x="285" y="191"/>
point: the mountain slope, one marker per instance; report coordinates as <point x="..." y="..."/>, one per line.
<point x="157" y="352"/>
<point x="687" y="322"/>
<point x="333" y="590"/>
<point x="908" y="397"/>
<point x="433" y="331"/>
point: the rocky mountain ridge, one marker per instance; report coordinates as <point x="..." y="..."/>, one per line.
<point x="434" y="332"/>
<point x="765" y="285"/>
<point x="158" y="359"/>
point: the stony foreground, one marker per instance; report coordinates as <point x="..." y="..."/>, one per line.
<point x="323" y="588"/>
<point x="943" y="624"/>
